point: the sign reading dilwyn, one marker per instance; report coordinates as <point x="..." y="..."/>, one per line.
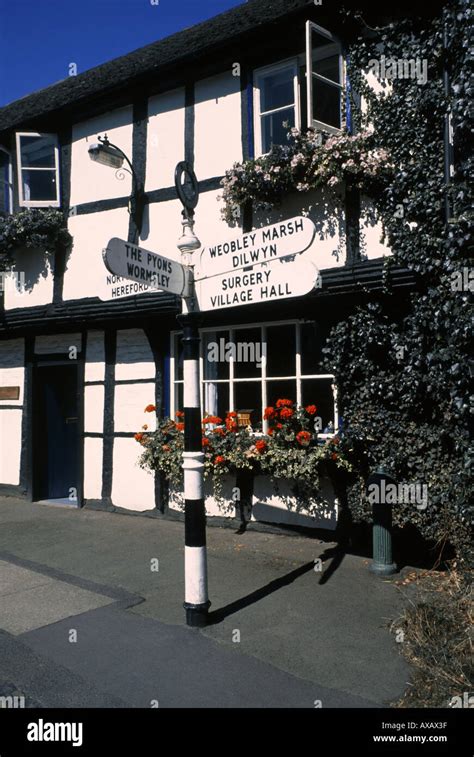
<point x="260" y="246"/>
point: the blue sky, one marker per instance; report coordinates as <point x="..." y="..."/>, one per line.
<point x="39" y="39"/>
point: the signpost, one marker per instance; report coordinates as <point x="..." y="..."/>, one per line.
<point x="144" y="267"/>
<point x="277" y="280"/>
<point x="114" y="287"/>
<point x="259" y="246"/>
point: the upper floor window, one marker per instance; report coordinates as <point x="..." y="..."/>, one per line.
<point x="38" y="170"/>
<point x="303" y="91"/>
<point x="6" y="194"/>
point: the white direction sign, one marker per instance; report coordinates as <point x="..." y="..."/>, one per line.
<point x="114" y="287"/>
<point x="144" y="267"/>
<point x="272" y="281"/>
<point x="260" y="246"/>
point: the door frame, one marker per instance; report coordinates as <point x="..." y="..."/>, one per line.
<point x="46" y="361"/>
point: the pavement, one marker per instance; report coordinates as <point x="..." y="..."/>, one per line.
<point x="91" y="616"/>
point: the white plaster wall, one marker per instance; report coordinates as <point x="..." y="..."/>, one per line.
<point x="86" y="274"/>
<point x="134" y="356"/>
<point x="209" y="225"/>
<point x="91" y="181"/>
<point x="94" y="409"/>
<point x="371" y="244"/>
<point x="95" y="356"/>
<point x="218" y="128"/>
<point x="59" y="343"/>
<point x="12" y="371"/>
<point x="130" y="403"/>
<point x="93" y="451"/>
<point x="162" y="228"/>
<point x="34" y="267"/>
<point x="165" y="138"/>
<point x="10" y="446"/>
<point x="133" y="488"/>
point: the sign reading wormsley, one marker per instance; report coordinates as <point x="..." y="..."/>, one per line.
<point x="277" y="280"/>
<point x="144" y="267"/>
<point x="260" y="246"/>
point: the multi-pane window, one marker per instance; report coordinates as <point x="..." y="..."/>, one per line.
<point x="303" y="91"/>
<point x="248" y="368"/>
<point x="38" y="169"/>
<point x="5" y="182"/>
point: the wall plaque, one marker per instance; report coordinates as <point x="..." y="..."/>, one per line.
<point x="9" y="392"/>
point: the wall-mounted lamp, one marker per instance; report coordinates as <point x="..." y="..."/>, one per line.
<point x="107" y="154"/>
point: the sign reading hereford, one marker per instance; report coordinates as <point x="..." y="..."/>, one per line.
<point x="147" y="268"/>
<point x="278" y="280"/>
<point x="259" y="246"/>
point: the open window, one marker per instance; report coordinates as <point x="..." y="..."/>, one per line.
<point x="38" y="170"/>
<point x="6" y="182"/>
<point x="304" y="91"/>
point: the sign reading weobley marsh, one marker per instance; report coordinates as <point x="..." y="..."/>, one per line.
<point x="144" y="267"/>
<point x="259" y="246"/>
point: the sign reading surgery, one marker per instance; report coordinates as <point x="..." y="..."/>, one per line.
<point x="278" y="280"/>
<point x="144" y="267"/>
<point x="259" y="246"/>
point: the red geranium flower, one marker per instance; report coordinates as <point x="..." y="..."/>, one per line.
<point x="311" y="409"/>
<point x="334" y="456"/>
<point x="261" y="445"/>
<point x="269" y="413"/>
<point x="284" y="403"/>
<point x="231" y="425"/>
<point x="150" y="409"/>
<point x="214" y="419"/>
<point x="179" y="414"/>
<point x="180" y="426"/>
<point x="138" y="437"/>
<point x="271" y="431"/>
<point x="219" y="460"/>
<point x="219" y="431"/>
<point x="303" y="438"/>
<point x="232" y="414"/>
<point x="286" y="412"/>
<point x="205" y="441"/>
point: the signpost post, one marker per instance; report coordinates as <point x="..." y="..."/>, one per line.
<point x="262" y="265"/>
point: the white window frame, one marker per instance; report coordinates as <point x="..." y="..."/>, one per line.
<point x="313" y="123"/>
<point x="263" y="379"/>
<point x="260" y="74"/>
<point x="37" y="203"/>
<point x="9" y="181"/>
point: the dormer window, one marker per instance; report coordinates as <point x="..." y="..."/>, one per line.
<point x="38" y="170"/>
<point x="304" y="91"/>
<point x="6" y="185"/>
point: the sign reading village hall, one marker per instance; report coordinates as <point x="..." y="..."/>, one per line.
<point x="260" y="246"/>
<point x="145" y="268"/>
<point x="277" y="280"/>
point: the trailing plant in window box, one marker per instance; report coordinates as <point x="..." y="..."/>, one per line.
<point x="290" y="450"/>
<point x="311" y="160"/>
<point x="33" y="228"/>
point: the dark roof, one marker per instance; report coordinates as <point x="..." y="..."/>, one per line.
<point x="193" y="43"/>
<point x="234" y="32"/>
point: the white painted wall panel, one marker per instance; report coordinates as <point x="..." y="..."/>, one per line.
<point x="130" y="403"/>
<point x="10" y="446"/>
<point x="95" y="356"/>
<point x="86" y="274"/>
<point x="132" y="488"/>
<point x="218" y="129"/>
<point x="94" y="409"/>
<point x="163" y="228"/>
<point x="165" y="143"/>
<point x="91" y="181"/>
<point x="12" y="371"/>
<point x="371" y="244"/>
<point x="60" y="343"/>
<point x="134" y="356"/>
<point x="93" y="451"/>
<point x="34" y="267"/>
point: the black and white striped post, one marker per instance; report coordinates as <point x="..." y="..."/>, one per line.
<point x="196" y="597"/>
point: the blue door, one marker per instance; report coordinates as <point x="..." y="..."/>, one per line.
<point x="55" y="433"/>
